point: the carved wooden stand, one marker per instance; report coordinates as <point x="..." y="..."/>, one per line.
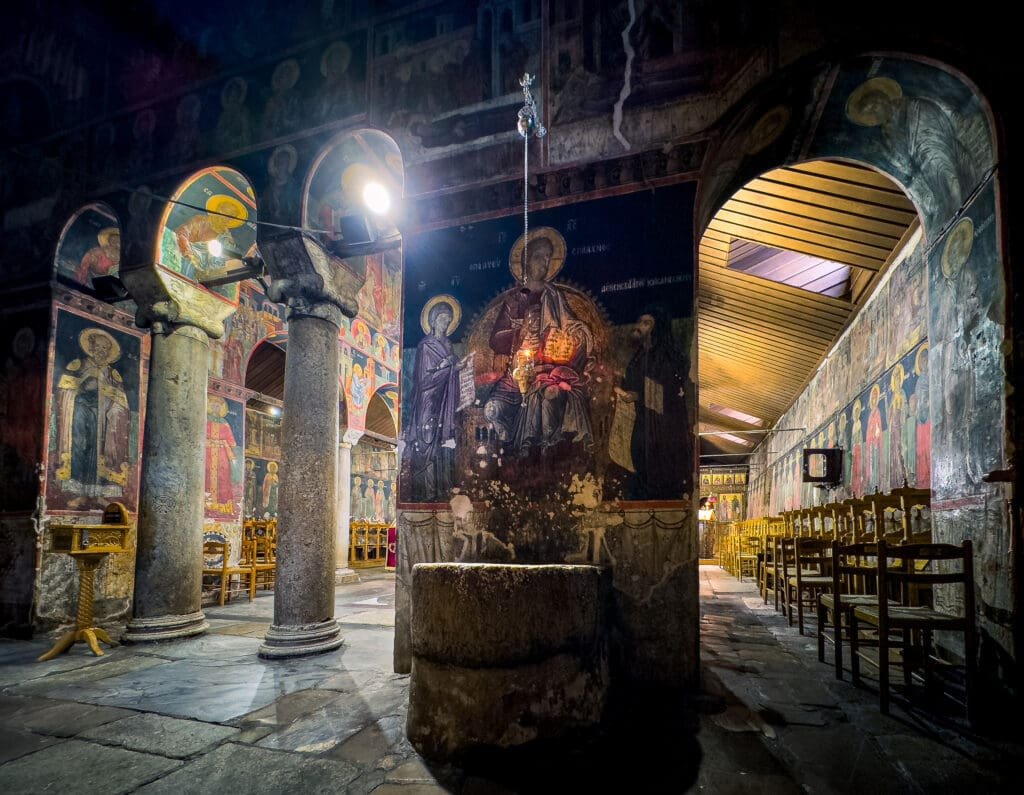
<point x="89" y="544"/>
<point x="84" y="630"/>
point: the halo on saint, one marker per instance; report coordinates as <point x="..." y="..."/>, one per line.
<point x="452" y="303"/>
<point x="921" y="359"/>
<point x="85" y="341"/>
<point x="554" y="237"/>
<point x="768" y="128"/>
<point x="861" y="110"/>
<point x="227" y="209"/>
<point x="958" y="247"/>
<point x="105" y="234"/>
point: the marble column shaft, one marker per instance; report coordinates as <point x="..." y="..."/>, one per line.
<point x="168" y="577"/>
<point x="308" y="508"/>
<point x="344" y="504"/>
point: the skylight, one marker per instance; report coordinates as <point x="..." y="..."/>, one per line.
<point x="815" y="274"/>
<point x="731" y="437"/>
<point x="749" y="419"/>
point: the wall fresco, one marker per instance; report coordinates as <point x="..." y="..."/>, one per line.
<point x="90" y="246"/>
<point x="224" y="460"/>
<point x="94" y="417"/>
<point x="262" y="475"/>
<point x="374" y="478"/>
<point x="555" y="379"/>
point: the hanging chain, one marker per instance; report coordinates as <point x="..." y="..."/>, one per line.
<point x="528" y="124"/>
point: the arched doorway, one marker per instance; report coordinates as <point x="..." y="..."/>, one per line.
<point x="929" y="131"/>
<point x="264" y="377"/>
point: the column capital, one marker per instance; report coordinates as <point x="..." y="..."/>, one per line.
<point x="167" y="301"/>
<point x="308" y="280"/>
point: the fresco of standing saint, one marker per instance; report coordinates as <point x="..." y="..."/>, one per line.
<point x="436" y="398"/>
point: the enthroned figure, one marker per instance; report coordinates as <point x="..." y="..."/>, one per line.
<point x="542" y="398"/>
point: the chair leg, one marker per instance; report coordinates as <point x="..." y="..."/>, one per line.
<point x="971" y="675"/>
<point x="883" y="671"/>
<point x="821" y="631"/>
<point x="800" y="608"/>
<point x="223" y="588"/>
<point x="854" y="651"/>
<point x="837" y="623"/>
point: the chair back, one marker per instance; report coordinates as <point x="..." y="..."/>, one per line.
<point x="211" y="549"/>
<point x="854" y="567"/>
<point x="812" y="554"/>
<point x="923" y="565"/>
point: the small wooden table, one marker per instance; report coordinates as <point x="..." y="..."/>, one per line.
<point x="88" y="544"/>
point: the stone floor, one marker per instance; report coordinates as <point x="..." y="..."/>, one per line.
<point x="207" y="715"/>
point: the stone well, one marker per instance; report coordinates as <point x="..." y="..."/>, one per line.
<point x="506" y="654"/>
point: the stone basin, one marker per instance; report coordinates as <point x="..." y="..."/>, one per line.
<point x="505" y="654"/>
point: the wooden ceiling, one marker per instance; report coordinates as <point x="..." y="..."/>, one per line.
<point x="760" y="341"/>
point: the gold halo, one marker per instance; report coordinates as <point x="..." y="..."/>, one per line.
<point x="443" y="298"/>
<point x="865" y="117"/>
<point x="958" y="247"/>
<point x="876" y="390"/>
<point x="921" y="356"/>
<point x="217" y="406"/>
<point x="89" y="334"/>
<point x="227" y="206"/>
<point x="892" y="376"/>
<point x="104" y="235"/>
<point x="515" y="257"/>
<point x="767" y="130"/>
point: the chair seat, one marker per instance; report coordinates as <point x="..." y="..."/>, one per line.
<point x="851" y="600"/>
<point x="815" y="580"/>
<point x="908" y="615"/>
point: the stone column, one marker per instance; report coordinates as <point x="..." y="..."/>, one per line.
<point x="168" y="570"/>
<point x="308" y="503"/>
<point x="343" y="574"/>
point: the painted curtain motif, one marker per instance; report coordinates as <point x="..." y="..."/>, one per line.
<point x="94" y="423"/>
<point x="519" y="392"/>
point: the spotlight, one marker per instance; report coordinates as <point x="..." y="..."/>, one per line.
<point x="215" y="247"/>
<point x="275" y="411"/>
<point x="376" y="197"/>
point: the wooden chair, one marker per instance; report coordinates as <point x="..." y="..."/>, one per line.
<point x="912" y="621"/>
<point x="913" y="504"/>
<point x="853" y="583"/>
<point x="260" y="556"/>
<point x="810" y="564"/>
<point x="749" y="553"/>
<point x="784" y="552"/>
<point x="217" y="553"/>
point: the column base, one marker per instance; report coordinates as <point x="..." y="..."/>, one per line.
<point x="345" y="576"/>
<point x="144" y="630"/>
<point x="301" y="640"/>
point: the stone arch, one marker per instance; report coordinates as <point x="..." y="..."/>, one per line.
<point x="206" y="228"/>
<point x="382" y="412"/>
<point x="334" y="197"/>
<point x="931" y="131"/>
<point x="89" y="246"/>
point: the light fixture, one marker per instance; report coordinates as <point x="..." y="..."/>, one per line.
<point x="215" y="247"/>
<point x="527" y="125"/>
<point x="275" y="411"/>
<point x="376" y="198"/>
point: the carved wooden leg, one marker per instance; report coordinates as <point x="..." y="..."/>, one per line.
<point x="61" y="646"/>
<point x="89" y="636"/>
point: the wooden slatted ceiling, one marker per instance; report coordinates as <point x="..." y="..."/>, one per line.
<point x="760" y="341"/>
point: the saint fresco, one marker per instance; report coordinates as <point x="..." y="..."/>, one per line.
<point x="94" y="434"/>
<point x="548" y="385"/>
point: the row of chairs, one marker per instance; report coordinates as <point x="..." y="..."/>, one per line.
<point x="865" y="569"/>
<point x="257" y="565"/>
